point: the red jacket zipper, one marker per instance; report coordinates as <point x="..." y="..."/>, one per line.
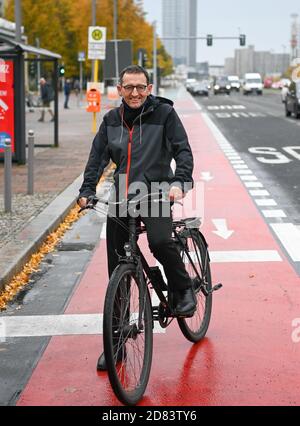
<point x="128" y="157"/>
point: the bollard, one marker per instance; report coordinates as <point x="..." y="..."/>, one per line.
<point x="7" y="175"/>
<point x="30" y="181"/>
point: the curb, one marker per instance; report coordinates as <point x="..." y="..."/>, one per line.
<point x="15" y="254"/>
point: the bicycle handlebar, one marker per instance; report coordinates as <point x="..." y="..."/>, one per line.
<point x="162" y="197"/>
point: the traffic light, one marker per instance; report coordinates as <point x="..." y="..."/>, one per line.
<point x="242" y="40"/>
<point x="209" y="40"/>
<point x="62" y="70"/>
<point x="142" y="57"/>
<point x="145" y="59"/>
<point x="32" y="68"/>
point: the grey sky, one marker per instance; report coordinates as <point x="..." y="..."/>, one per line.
<point x="267" y="24"/>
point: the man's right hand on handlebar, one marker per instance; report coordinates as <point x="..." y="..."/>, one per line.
<point x="82" y="202"/>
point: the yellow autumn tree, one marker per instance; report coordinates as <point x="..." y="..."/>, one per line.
<point x="62" y="26"/>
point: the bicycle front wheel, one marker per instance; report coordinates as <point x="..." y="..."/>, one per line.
<point x="127" y="334"/>
<point x="195" y="328"/>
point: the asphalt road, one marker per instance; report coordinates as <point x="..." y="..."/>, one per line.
<point x="267" y="141"/>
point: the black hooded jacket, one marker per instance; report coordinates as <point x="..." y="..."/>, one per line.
<point x="144" y="152"/>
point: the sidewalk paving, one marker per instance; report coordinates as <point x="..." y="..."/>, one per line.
<point x="56" y="184"/>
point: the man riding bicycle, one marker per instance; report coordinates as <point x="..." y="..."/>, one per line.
<point x="142" y="137"/>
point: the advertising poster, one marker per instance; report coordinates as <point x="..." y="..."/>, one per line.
<point x="6" y="103"/>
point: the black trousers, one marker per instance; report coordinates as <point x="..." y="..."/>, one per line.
<point x="159" y="233"/>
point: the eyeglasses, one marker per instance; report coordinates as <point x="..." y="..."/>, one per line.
<point x="141" y="88"/>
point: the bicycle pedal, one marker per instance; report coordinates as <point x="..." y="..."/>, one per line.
<point x="216" y="287"/>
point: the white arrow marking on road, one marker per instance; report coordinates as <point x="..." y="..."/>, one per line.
<point x="206" y="176"/>
<point x="222" y="229"/>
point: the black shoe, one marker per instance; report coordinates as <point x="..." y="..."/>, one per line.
<point x="186" y="304"/>
<point x="101" y="364"/>
<point x="41" y="120"/>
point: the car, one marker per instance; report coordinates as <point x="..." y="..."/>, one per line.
<point x="292" y="103"/>
<point x="234" y="82"/>
<point x="222" y="85"/>
<point x="201" y="89"/>
<point x="284" y="90"/>
<point x="268" y="83"/>
<point x="189" y="84"/>
<point x="253" y="84"/>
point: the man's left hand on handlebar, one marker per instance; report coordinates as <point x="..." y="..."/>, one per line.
<point x="176" y="193"/>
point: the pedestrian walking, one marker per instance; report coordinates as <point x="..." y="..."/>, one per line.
<point x="67" y="91"/>
<point x="77" y="87"/>
<point x="47" y="96"/>
<point x="142" y="137"/>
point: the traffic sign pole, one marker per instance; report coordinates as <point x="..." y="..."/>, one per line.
<point x="96" y="52"/>
<point x="94" y="129"/>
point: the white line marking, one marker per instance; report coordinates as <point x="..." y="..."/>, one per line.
<point x="245" y="256"/>
<point x="248" y="177"/>
<point x="103" y="232"/>
<point x="259" y="192"/>
<point x="237" y="162"/>
<point x="240" y="166"/>
<point x="273" y="213"/>
<point x="266" y="202"/>
<point x="55" y="325"/>
<point x="220" y="138"/>
<point x="289" y="236"/>
<point x="244" y="172"/>
<point x="197" y="105"/>
<point x="254" y="185"/>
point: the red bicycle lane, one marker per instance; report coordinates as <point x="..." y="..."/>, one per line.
<point x="248" y="356"/>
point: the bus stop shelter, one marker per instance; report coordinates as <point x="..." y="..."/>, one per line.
<point x="13" y="56"/>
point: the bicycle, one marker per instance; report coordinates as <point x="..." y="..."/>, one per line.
<point x="128" y="317"/>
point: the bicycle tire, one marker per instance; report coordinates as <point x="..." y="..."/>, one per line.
<point x="195" y="328"/>
<point x="128" y="353"/>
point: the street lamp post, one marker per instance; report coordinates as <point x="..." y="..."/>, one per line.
<point x="154" y="59"/>
<point x="116" y="38"/>
<point x="18" y="19"/>
<point x="94" y="20"/>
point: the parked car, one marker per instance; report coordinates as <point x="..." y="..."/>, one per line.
<point x="281" y="83"/>
<point x="284" y="91"/>
<point x="200" y="89"/>
<point x="268" y="83"/>
<point x="234" y="82"/>
<point x="292" y="103"/>
<point x="222" y="85"/>
<point x="253" y="84"/>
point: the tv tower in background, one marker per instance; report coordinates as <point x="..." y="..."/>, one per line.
<point x="295" y="37"/>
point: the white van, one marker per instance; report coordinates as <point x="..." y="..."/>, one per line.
<point x="253" y="83"/>
<point x="234" y="82"/>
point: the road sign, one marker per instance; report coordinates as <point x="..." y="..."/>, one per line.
<point x="97" y="43"/>
<point x="7" y="123"/>
<point x="81" y="56"/>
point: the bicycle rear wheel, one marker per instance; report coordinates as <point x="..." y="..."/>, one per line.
<point x="195" y="328"/>
<point x="128" y="342"/>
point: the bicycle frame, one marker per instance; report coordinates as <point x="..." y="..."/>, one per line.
<point x="134" y="255"/>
